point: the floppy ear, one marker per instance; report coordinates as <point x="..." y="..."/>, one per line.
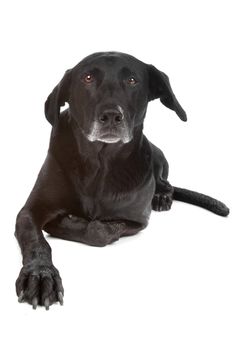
<point x="57" y="98"/>
<point x="159" y="87"/>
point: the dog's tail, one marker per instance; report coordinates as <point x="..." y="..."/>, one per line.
<point x="201" y="200"/>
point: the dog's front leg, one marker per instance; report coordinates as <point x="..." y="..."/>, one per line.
<point x="39" y="281"/>
<point x="95" y="232"/>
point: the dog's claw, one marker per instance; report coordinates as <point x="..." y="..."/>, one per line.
<point x="46" y="303"/>
<point x="34" y="303"/>
<point x="21" y="295"/>
<point x="60" y="298"/>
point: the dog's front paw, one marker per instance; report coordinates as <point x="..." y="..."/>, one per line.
<point x="39" y="284"/>
<point x="96" y="234"/>
<point x="162" y="201"/>
<point x="100" y="234"/>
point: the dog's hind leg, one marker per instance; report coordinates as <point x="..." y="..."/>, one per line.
<point x="163" y="196"/>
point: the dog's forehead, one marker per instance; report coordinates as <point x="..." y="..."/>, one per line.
<point x="111" y="60"/>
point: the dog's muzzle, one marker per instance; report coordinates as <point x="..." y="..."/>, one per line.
<point x="110" y="126"/>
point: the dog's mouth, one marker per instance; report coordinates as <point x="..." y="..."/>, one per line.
<point x="108" y="135"/>
<point x="109" y="138"/>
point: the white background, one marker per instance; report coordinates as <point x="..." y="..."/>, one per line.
<point x="169" y="287"/>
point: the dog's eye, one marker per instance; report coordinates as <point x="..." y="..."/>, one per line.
<point x="88" y="78"/>
<point x="132" y="81"/>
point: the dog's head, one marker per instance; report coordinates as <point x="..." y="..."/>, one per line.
<point x="108" y="94"/>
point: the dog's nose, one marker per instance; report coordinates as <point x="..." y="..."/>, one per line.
<point x="111" y="117"/>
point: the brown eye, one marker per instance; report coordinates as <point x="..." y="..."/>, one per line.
<point x="132" y="81"/>
<point x="88" y="78"/>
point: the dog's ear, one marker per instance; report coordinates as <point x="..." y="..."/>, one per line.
<point x="159" y="87"/>
<point x="57" y="98"/>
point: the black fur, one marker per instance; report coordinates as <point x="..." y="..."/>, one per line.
<point x="101" y="177"/>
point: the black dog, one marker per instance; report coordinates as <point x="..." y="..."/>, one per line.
<point x="101" y="177"/>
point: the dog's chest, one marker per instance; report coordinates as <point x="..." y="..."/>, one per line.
<point x="113" y="190"/>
